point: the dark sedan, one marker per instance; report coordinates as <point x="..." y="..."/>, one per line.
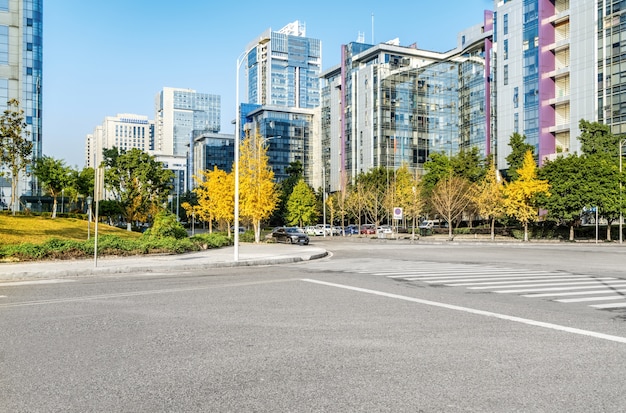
<point x="290" y="235"/>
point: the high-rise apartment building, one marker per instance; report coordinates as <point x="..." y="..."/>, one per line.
<point x="283" y="68"/>
<point x="124" y="131"/>
<point x="547" y="74"/>
<point x="21" y="56"/>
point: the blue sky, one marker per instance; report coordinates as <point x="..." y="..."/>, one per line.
<point x="102" y="58"/>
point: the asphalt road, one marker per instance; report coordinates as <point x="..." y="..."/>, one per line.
<point x="352" y="332"/>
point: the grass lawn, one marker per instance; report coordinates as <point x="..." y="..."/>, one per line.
<point x="36" y="230"/>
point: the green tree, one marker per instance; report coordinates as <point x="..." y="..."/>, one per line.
<point x="596" y="139"/>
<point x="138" y="182"/>
<point x="15" y="147"/>
<point x="569" y="180"/>
<point x="82" y="183"/>
<point x="302" y="205"/>
<point x="515" y="159"/>
<point x="601" y="148"/>
<point x="438" y="167"/>
<point x="258" y="195"/>
<point x="54" y="176"/>
<point x="285" y="188"/>
<point x="469" y="165"/>
<point x="520" y="196"/>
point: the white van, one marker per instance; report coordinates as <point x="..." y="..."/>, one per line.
<point x="433" y="223"/>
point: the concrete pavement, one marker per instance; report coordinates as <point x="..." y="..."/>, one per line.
<point x="249" y="254"/>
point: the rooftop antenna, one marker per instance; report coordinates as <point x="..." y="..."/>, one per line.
<point x="372" y="28"/>
<point x="360" y="38"/>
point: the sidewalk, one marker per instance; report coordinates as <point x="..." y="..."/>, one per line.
<point x="249" y="254"/>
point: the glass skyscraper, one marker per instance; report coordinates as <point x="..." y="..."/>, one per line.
<point x="283" y="68"/>
<point x="21" y="55"/>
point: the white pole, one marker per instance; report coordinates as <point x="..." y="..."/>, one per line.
<point x="237" y="142"/>
<point x="324" y="197"/>
<point x="621" y="215"/>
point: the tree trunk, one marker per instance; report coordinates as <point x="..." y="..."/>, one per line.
<point x="525" y="231"/>
<point x="571" y="232"/>
<point x="493" y="228"/>
<point x="54" y="207"/>
<point x="608" y="232"/>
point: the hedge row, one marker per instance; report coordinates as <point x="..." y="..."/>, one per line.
<point x="55" y="248"/>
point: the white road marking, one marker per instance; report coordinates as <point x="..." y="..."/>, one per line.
<point x="586" y="299"/>
<point x="475" y="278"/>
<point x="530" y="290"/>
<point x="598" y="283"/>
<point x="506" y="283"/>
<point x="33" y="282"/>
<point x="526" y="321"/>
<point x="605" y="291"/>
<point x="609" y="306"/>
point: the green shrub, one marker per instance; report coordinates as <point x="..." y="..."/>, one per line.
<point x="247" y="236"/>
<point x="213" y="240"/>
<point x="166" y="225"/>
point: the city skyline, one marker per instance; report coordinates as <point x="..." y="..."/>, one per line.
<point x="117" y="62"/>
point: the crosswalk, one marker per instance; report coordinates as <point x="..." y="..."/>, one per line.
<point x="563" y="287"/>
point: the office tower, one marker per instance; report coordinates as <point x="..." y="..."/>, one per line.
<point x="178" y="114"/>
<point x="21" y="55"/>
<point x="547" y="74"/>
<point x="388" y="105"/>
<point x="283" y="68"/>
<point x="124" y="131"/>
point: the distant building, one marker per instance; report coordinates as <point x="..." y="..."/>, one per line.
<point x="288" y="135"/>
<point x="124" y="131"/>
<point x="387" y="105"/>
<point x="21" y="72"/>
<point x="212" y="150"/>
<point x="178" y="114"/>
<point x="283" y="68"/>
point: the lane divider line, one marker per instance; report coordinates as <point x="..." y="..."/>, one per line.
<point x="521" y="320"/>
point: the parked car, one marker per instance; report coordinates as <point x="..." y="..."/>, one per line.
<point x="384" y="229"/>
<point x="310" y="230"/>
<point x="320" y="229"/>
<point x="352" y="230"/>
<point x="290" y="235"/>
<point x="368" y="229"/>
<point x="337" y="231"/>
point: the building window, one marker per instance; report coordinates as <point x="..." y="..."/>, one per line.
<point x="516" y="97"/>
<point x="4" y="5"/>
<point x="506" y="74"/>
<point x="4" y="45"/>
<point x="505" y="24"/>
<point x="516" y="122"/>
<point x="506" y="49"/>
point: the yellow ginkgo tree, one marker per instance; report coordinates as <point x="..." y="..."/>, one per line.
<point x="258" y="194"/>
<point x="489" y="197"/>
<point x="520" y="195"/>
<point x="215" y="194"/>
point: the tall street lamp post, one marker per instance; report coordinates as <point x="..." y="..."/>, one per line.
<point x="621" y="216"/>
<point x="240" y="60"/>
